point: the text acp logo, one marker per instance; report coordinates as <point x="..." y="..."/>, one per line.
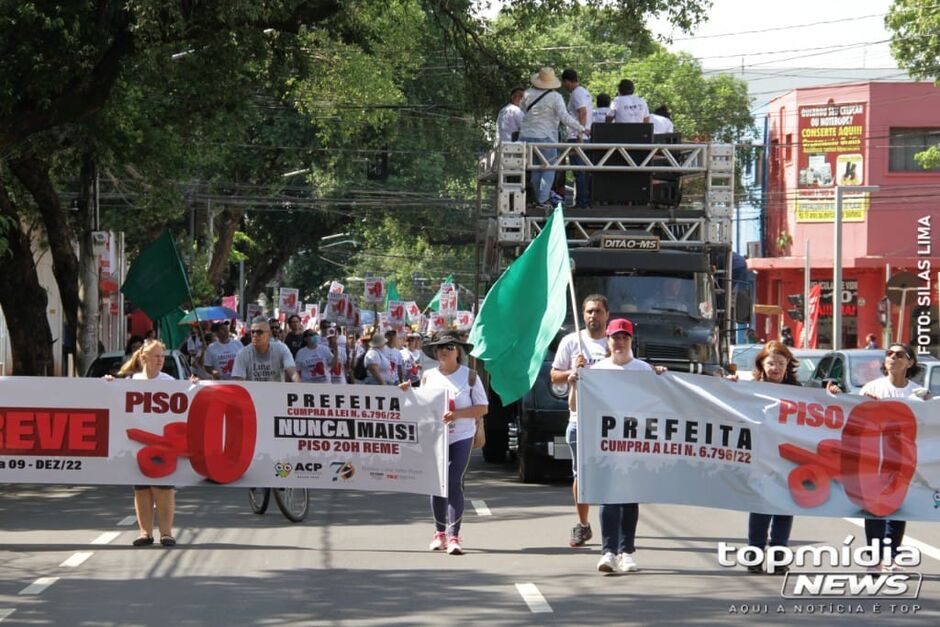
<point x="843" y="585"/>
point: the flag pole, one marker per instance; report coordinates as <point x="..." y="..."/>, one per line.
<point x="574" y="308"/>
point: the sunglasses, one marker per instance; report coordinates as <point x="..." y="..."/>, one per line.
<point x="897" y="354"/>
<point x="447" y="347"/>
<point x="258" y="331"/>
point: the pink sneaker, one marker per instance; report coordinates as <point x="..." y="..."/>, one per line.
<point x="453" y="546"/>
<point x="439" y="541"/>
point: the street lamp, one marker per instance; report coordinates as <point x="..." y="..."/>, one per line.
<point x="837" y="259"/>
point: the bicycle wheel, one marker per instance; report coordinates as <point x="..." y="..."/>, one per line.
<point x="258" y="498"/>
<point x="293" y="503"/>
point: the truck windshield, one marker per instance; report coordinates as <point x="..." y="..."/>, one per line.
<point x="689" y="295"/>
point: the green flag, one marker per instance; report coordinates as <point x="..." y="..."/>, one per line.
<point x="435" y="303"/>
<point x="391" y="293"/>
<point x="157" y="282"/>
<point x="523" y="311"/>
<point x="169" y="329"/>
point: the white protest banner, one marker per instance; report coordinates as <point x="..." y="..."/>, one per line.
<point x="349" y="310"/>
<point x="375" y="291"/>
<point x="412" y="310"/>
<point x="464" y="320"/>
<point x="336" y="307"/>
<point x="437" y="322"/>
<point x="396" y="314"/>
<point x="288" y="300"/>
<point x="755" y="447"/>
<point x="336" y="287"/>
<point x="448" y="302"/>
<point x="252" y="311"/>
<point x="311" y="317"/>
<point x="125" y="432"/>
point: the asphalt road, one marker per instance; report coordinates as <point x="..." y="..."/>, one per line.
<point x="362" y="559"/>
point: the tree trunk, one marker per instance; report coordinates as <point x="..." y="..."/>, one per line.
<point x="90" y="308"/>
<point x="24" y="301"/>
<point x="263" y="271"/>
<point x="227" y="224"/>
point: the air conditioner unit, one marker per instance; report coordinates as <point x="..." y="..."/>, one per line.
<point x="753" y="250"/>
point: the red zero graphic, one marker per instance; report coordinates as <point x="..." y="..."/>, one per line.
<point x="875" y="460"/>
<point x="216" y="410"/>
<point x="218" y="437"/>
<point x="879" y="455"/>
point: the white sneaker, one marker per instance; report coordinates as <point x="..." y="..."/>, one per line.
<point x="625" y="563"/>
<point x="607" y="563"/>
<point x="438" y="542"/>
<point x="453" y="546"/>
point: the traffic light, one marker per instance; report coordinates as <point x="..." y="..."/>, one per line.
<point x="798" y="302"/>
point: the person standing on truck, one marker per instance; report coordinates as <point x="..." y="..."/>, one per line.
<point x="509" y="120"/>
<point x="581" y="108"/>
<point x="544" y="111"/>
<point x="627" y="107"/>
<point x="573" y="352"/>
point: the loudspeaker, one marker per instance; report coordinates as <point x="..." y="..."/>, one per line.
<point x="622" y="187"/>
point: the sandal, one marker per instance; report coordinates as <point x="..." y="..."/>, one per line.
<point x="166" y="540"/>
<point x="143" y="541"/>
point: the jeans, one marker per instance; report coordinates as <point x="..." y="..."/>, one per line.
<point x="571" y="437"/>
<point x="881" y="529"/>
<point x="448" y="512"/>
<point x="542" y="179"/>
<point x="582" y="182"/>
<point x="759" y="524"/>
<point x="618" y="527"/>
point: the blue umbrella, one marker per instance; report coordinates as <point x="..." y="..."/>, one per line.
<point x="208" y="314"/>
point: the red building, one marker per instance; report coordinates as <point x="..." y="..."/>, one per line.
<point x="856" y="134"/>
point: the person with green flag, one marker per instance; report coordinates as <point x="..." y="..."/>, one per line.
<point x="523" y="311"/>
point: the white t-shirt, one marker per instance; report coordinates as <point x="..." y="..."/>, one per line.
<point x="252" y="366"/>
<point x="629" y="109"/>
<point x="580" y="97"/>
<point x="633" y="364"/>
<point x="411" y="364"/>
<point x="600" y="115"/>
<point x="338" y="373"/>
<point x="661" y="124"/>
<point x="569" y="348"/>
<point x="393" y="355"/>
<point x="883" y="388"/>
<point x="313" y="363"/>
<point x="457" y="386"/>
<point x="542" y="120"/>
<point x="376" y="357"/>
<point x="221" y="357"/>
<point x="509" y="121"/>
<point x="162" y="376"/>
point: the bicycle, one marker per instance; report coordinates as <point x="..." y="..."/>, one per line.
<point x="293" y="502"/>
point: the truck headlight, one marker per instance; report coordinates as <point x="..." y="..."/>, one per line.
<point x="560" y="390"/>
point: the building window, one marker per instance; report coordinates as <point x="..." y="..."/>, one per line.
<point x="907" y="142"/>
<point x="788" y="148"/>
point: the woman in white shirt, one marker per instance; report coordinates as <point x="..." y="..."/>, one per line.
<point x="544" y="110"/>
<point x="899" y="366"/>
<point x="466" y="403"/>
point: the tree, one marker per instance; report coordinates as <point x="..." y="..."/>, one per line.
<point x="914" y="25"/>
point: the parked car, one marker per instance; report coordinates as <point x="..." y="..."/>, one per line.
<point x="850" y="369"/>
<point x="175" y="365"/>
<point x="929" y="376"/>
<point x="742" y="356"/>
<point x="809" y="358"/>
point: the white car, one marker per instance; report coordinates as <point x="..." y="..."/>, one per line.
<point x="175" y="364"/>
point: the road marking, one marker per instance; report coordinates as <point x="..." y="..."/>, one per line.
<point x="533" y="598"/>
<point x="39" y="585"/>
<point x="481" y="508"/>
<point x="106" y="538"/>
<point x="923" y="547"/>
<point x="4" y="613"/>
<point x="76" y="560"/>
<point x="127" y="521"/>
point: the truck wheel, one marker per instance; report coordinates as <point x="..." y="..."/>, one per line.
<point x="497" y="440"/>
<point x="531" y="466"/>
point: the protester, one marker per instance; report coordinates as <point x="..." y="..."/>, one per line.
<point x="221" y="354"/>
<point x="662" y="121"/>
<point x="467" y="403"/>
<point x="544" y="111"/>
<point x="601" y="110"/>
<point x="315" y="360"/>
<point x="900" y="365"/>
<point x="393" y="354"/>
<point x="774" y="364"/>
<point x="147" y="363"/>
<point x="295" y="339"/>
<point x="197" y="362"/>
<point x="871" y="341"/>
<point x="411" y="358"/>
<point x="376" y="361"/>
<point x="191" y="345"/>
<point x="569" y="356"/>
<point x="628" y="108"/>
<point x="580" y="108"/>
<point x="509" y="120"/>
<point x="264" y="359"/>
<point x="618" y="521"/>
<point x="338" y="371"/>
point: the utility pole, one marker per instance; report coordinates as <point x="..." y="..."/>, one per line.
<point x="837" y="260"/>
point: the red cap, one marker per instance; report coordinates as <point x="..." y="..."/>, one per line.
<point x="620" y="325"/>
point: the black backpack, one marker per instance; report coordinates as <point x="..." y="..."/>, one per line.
<point x="359" y="368"/>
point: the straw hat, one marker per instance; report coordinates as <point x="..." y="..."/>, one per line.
<point x="546" y="79"/>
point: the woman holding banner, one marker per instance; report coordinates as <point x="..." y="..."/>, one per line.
<point x="773" y="364"/>
<point x="467" y="403"/>
<point x="900" y="364"/>
<point x="147" y="363"/>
